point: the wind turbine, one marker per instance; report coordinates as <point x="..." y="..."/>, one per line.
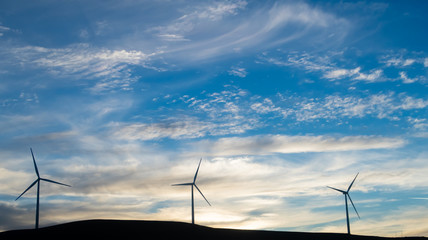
<point x="346" y="193"/>
<point x="38" y="187"/>
<point x="193" y="184"/>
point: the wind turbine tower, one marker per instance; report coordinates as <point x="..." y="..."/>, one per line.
<point x="193" y="184"/>
<point x="38" y="187"/>
<point x="346" y="193"/>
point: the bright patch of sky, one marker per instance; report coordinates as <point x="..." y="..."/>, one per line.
<point x="120" y="99"/>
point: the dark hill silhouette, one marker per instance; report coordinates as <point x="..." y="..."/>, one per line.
<point x="130" y="229"/>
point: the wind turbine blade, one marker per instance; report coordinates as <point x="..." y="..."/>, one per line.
<point x="27" y="189"/>
<point x="197" y="170"/>
<point x="349" y="188"/>
<point x="353" y="205"/>
<point x="35" y="165"/>
<point x="51" y="181"/>
<point x="182" y="184"/>
<point x="337" y="189"/>
<point x="202" y="194"/>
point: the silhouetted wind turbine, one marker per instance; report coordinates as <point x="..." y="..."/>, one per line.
<point x="346" y="193"/>
<point x="193" y="184"/>
<point x="38" y="187"/>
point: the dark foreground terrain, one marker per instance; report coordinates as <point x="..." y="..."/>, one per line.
<point x="127" y="229"/>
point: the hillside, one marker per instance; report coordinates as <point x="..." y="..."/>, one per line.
<point x="129" y="229"/>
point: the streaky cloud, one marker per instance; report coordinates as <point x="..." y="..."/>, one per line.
<point x="264" y="27"/>
<point x="108" y="69"/>
<point x="271" y="144"/>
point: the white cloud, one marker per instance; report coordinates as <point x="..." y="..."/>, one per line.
<point x="393" y="62"/>
<point x="406" y="79"/>
<point x="212" y="114"/>
<point x="178" y="129"/>
<point x="338" y="107"/>
<point x="227" y="103"/>
<point x="238" y="71"/>
<point x="23" y="98"/>
<point x="325" y="65"/>
<point x="203" y="30"/>
<point x="408" y="62"/>
<point x="374" y="76"/>
<point x="329" y="66"/>
<point x="109" y="67"/>
<point x="269" y="144"/>
<point x="355" y="74"/>
<point x="265" y="107"/>
<point x="281" y="14"/>
<point x="420" y="124"/>
<point x="3" y="29"/>
<point x="413" y="103"/>
<point x="235" y="107"/>
<point x="341" y="73"/>
<point x="172" y="37"/>
<point x="235" y="111"/>
<point x="312" y="62"/>
<point x="399" y="61"/>
<point x="268" y="26"/>
<point x="180" y="27"/>
<point x="220" y="9"/>
<point x="403" y="59"/>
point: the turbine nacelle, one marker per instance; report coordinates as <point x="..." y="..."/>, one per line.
<point x="338" y="190"/>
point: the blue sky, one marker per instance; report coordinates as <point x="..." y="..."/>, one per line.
<point x="120" y="99"/>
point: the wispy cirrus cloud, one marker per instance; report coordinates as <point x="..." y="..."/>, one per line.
<point x="189" y="38"/>
<point x="220" y="9"/>
<point x="354" y="74"/>
<point x="402" y="59"/>
<point x="3" y="29"/>
<point x="220" y="104"/>
<point x="177" y="30"/>
<point x="269" y="144"/>
<point x="406" y="63"/>
<point x="237" y="111"/>
<point x="211" y="114"/>
<point x="178" y="129"/>
<point x="331" y="66"/>
<point x="326" y="66"/>
<point x="382" y="106"/>
<point x="421" y="124"/>
<point x="23" y="98"/>
<point x="407" y="79"/>
<point x="267" y="106"/>
<point x="111" y="69"/>
<point x="238" y="72"/>
<point x="192" y="34"/>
